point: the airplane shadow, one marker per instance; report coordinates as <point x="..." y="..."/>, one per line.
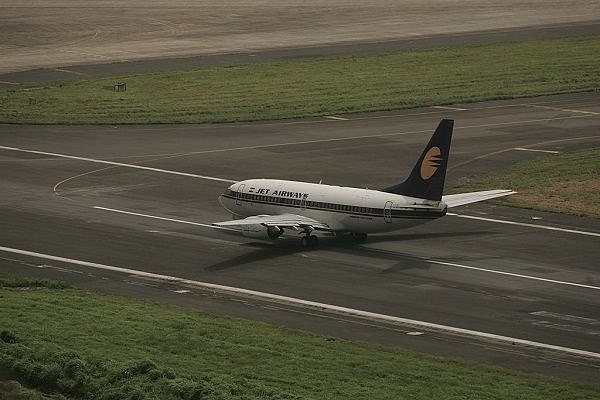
<point x="259" y="252"/>
<point x="262" y="251"/>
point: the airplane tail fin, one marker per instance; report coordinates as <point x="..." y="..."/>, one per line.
<point x="426" y="181"/>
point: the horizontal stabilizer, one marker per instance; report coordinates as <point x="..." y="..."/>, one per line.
<point x="455" y="200"/>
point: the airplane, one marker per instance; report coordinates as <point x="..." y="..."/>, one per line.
<point x="269" y="208"/>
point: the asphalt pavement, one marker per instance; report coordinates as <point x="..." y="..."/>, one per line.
<point x="534" y="278"/>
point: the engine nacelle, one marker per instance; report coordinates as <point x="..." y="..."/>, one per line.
<point x="258" y="231"/>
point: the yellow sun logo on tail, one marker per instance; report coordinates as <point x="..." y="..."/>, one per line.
<point x="431" y="162"/>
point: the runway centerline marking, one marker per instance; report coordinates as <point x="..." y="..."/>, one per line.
<point x="430" y="261"/>
<point x="547" y="227"/>
<point x="493" y="271"/>
<point x="94" y="160"/>
<point x="323" y="307"/>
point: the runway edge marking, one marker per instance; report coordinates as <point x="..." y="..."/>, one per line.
<point x="493" y="271"/>
<point x="313" y="305"/>
<point x="502" y="221"/>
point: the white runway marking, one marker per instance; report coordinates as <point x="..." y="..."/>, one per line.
<point x="87" y="54"/>
<point x="450" y="108"/>
<point x="267" y="146"/>
<point x="335" y="118"/>
<point x="566" y="317"/>
<point x="68" y="71"/>
<point x="493" y="271"/>
<point x="454" y="166"/>
<point x="537" y="150"/>
<point x="564" y="109"/>
<point x="550" y="228"/>
<point x="181" y="221"/>
<point x="164" y="171"/>
<point x="311" y="304"/>
<point x="431" y="261"/>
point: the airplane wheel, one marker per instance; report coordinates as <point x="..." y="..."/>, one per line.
<point x="304" y="242"/>
<point x="309" y="242"/>
<point x="359" y="237"/>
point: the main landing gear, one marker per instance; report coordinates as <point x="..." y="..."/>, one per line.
<point x="358" y="237"/>
<point x="309" y="241"/>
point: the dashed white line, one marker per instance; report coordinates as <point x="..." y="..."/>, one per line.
<point x="336" y="118"/>
<point x="94" y="160"/>
<point x="536" y="150"/>
<point x="323" y="307"/>
<point x="563" y="109"/>
<point x="450" y="108"/>
<point x="550" y="228"/>
<point x="84" y="53"/>
<point x="68" y="71"/>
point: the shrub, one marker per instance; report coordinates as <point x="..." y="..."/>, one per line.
<point x="65" y="372"/>
<point x="8" y="337"/>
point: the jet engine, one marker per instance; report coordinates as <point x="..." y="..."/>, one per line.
<point x="258" y="231"/>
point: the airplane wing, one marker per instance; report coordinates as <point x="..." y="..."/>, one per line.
<point x="455" y="200"/>
<point x="290" y="221"/>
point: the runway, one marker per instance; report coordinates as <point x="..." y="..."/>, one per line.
<point x="138" y="197"/>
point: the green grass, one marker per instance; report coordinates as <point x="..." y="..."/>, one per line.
<point x="299" y="88"/>
<point x="86" y="345"/>
<point x="566" y="182"/>
<point x="13" y="390"/>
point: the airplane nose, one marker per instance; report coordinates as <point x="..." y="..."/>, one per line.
<point x="223" y="202"/>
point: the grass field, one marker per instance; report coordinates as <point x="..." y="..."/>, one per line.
<point x="567" y="182"/>
<point x="85" y="345"/>
<point x="309" y="87"/>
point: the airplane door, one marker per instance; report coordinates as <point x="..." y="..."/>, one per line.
<point x="387" y="212"/>
<point x="238" y="196"/>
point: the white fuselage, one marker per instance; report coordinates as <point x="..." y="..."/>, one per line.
<point x="343" y="209"/>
